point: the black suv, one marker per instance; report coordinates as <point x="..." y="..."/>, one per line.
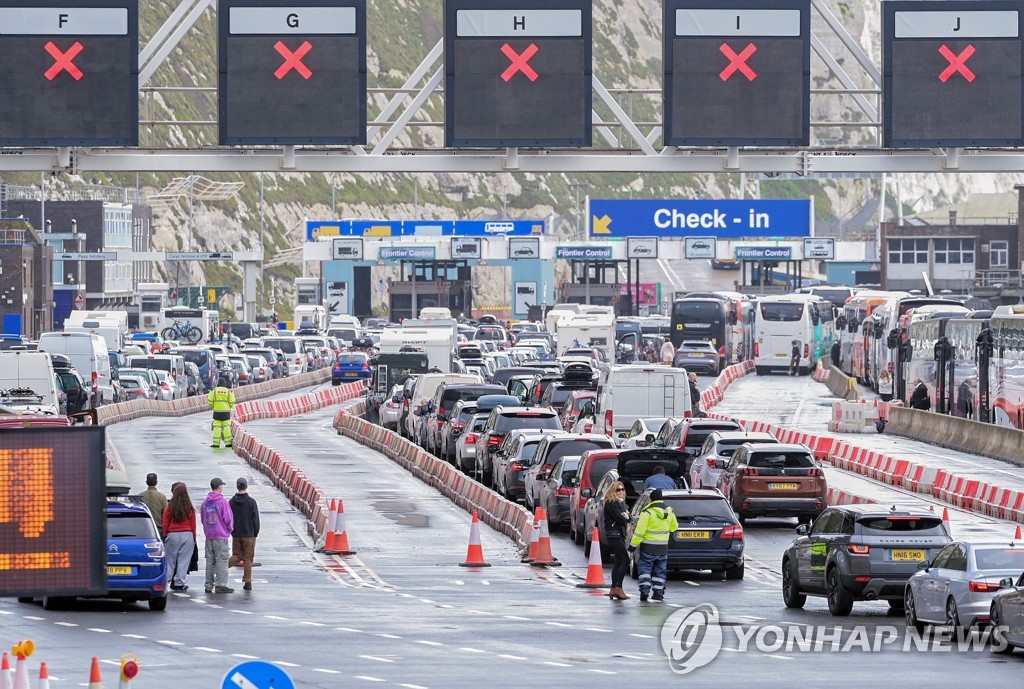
<point x="443" y="403"/>
<point x="73" y="385"/>
<point x="859" y="552"/>
<point x="576" y="376"/>
<point x="499" y="423"/>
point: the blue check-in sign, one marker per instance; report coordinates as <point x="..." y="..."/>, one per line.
<point x="616" y="218"/>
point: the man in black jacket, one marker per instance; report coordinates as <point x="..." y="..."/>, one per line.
<point x="247" y="528"/>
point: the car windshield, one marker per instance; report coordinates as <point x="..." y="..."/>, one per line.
<point x="697" y="508"/>
<point x="694" y="311"/>
<point x="774" y="311"/>
<point x="926" y="525"/>
<point x="479" y="422"/>
<point x="289" y="346"/>
<point x="999" y="558"/>
<point x="780" y="460"/>
<point x="568" y="448"/>
<point x="359" y="359"/>
<point x="130" y="525"/>
<point x="528" y="451"/>
<point x="199" y="358"/>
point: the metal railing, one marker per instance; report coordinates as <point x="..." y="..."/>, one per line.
<point x="76" y="192"/>
<point x="997" y="279"/>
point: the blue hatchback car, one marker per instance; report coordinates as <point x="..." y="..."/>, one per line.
<point x="350" y="367"/>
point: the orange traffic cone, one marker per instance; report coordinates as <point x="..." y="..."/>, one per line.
<point x="94" y="675"/>
<point x="475" y="554"/>
<point x="595" y="569"/>
<point x="1016" y="536"/>
<point x="22" y="650"/>
<point x="931" y="507"/>
<point x="945" y="515"/>
<point x="544" y="557"/>
<point x="340" y="546"/>
<point x="332" y="522"/>
<point x="5" y="672"/>
<point x="531" y="552"/>
<point x="44" y="677"/>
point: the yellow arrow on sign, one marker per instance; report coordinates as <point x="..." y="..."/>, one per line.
<point x="601" y="225"/>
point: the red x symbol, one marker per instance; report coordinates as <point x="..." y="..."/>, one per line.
<point x="519" y="62"/>
<point x="738" y="62"/>
<point x="293" y="60"/>
<point x="956" y="63"/>
<point x="63" y="61"/>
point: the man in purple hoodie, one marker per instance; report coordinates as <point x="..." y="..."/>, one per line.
<point x="218" y="522"/>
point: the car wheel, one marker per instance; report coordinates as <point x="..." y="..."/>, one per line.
<point x="998" y="643"/>
<point x="158" y="604"/>
<point x="586" y="547"/>
<point x="577" y="535"/>
<point x="791" y="595"/>
<point x="840" y="601"/>
<point x="910" y="613"/>
<point x="25" y="599"/>
<point x="760" y="370"/>
<point x="952" y="614"/>
<point x="897" y="605"/>
<point x="734" y="573"/>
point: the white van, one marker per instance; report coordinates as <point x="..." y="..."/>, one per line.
<point x="630" y="392"/>
<point x="173" y="364"/>
<point x="88" y="353"/>
<point x="310" y="313"/>
<point x="424" y="389"/>
<point x="294" y="352"/>
<point x="108" y="329"/>
<point x="25" y="376"/>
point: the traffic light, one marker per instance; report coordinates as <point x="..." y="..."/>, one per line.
<point x="273" y="317"/>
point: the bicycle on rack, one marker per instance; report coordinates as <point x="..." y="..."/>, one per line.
<point x="182" y="332"/>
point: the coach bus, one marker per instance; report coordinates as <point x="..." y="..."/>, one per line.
<point x="1006" y="383"/>
<point x="969" y="368"/>
<point x="849" y="328"/>
<point x="725" y="319"/>
<point x="784" y="319"/>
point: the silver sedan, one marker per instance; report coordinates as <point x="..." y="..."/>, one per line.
<point x="1008" y="612"/>
<point x="957" y="587"/>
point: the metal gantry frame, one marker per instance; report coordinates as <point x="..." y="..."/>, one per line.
<point x="631" y="151"/>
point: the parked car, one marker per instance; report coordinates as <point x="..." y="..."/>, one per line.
<point x="275" y="359"/>
<point x="242" y="369"/>
<point x="1005" y="611"/>
<point x="204" y="360"/>
<point x="552" y="448"/>
<point x="594" y="465"/>
<point x="193" y="381"/>
<point x="391" y="408"/>
<point x="709" y="535"/>
<point x="136" y="388"/>
<point x="774" y="480"/>
<point x="574" y="405"/>
<point x="438" y="410"/>
<point x="957" y="586"/>
<point x="860" y="552"/>
<point x="688" y="434"/>
<point x="258" y="367"/>
<point x="350" y="367"/>
<point x="502" y="420"/>
<point x="553" y="492"/>
<point x="136" y="561"/>
<point x="510" y="463"/>
<point x="714" y="455"/>
<point x="642" y="433"/>
<point x="698" y="356"/>
<point x="465" y="446"/>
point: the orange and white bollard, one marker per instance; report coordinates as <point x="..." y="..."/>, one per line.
<point x="6" y="676"/>
<point x="475" y="553"/>
<point x="332" y="521"/>
<point x="1016" y="535"/>
<point x="544" y="556"/>
<point x="595" y="568"/>
<point x="44" y="677"/>
<point x="531" y="551"/>
<point x="95" y="682"/>
<point x="22" y="650"/>
<point x="340" y="545"/>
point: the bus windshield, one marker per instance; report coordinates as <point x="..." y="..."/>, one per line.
<point x="781" y="312"/>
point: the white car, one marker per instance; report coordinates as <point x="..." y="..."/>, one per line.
<point x="391" y="410"/>
<point x="465" y="446"/>
<point x="638" y="434"/>
<point x="168" y="390"/>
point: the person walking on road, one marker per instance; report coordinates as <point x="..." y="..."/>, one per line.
<point x="794" y="359"/>
<point x="694" y="396"/>
<point x="154" y="499"/>
<point x="178" y="528"/>
<point x="247" y="528"/>
<point x="616" y="518"/>
<point x="657" y="521"/>
<point x="222" y="401"/>
<point x="668" y="352"/>
<point x="218" y="523"/>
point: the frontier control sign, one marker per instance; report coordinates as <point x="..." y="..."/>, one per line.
<point x="584" y="252"/>
<point x="616" y="218"/>
<point x="764" y="253"/>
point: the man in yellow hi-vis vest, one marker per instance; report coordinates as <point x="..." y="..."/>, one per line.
<point x="222" y="400"/>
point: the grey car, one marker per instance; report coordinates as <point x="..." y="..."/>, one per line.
<point x="555" y="490"/>
<point x="957" y="586"/>
<point x="698" y="356"/>
<point x="1007" y="611"/>
<point x="860" y="552"/>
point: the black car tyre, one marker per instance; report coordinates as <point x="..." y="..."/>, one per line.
<point x="760" y="370"/>
<point x="791" y="595"/>
<point x="734" y="573"/>
<point x="910" y="613"/>
<point x="952" y="614"/>
<point x="25" y="599"/>
<point x="840" y="601"/>
<point x="586" y="548"/>
<point x="158" y="604"/>
<point x="998" y="643"/>
<point x="577" y="535"/>
<point x="54" y="603"/>
<point x="898" y="604"/>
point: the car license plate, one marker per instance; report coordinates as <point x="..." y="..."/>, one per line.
<point x="693" y="535"/>
<point x="351" y="374"/>
<point x="780" y="356"/>
<point x="783" y="486"/>
<point x="118" y="570"/>
<point x="695" y="355"/>
<point x="906" y="555"/>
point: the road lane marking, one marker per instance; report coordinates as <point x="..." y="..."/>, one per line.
<point x="471" y="650"/>
<point x="99" y="630"/>
<point x="370" y="679"/>
<point x="207" y="649"/>
<point x="778" y="657"/>
<point x="242" y="612"/>
<point x="598" y="629"/>
<point x="169" y="642"/>
<point x="65" y="624"/>
<point x="313" y="624"/>
<point x="601" y="672"/>
<point x="349" y="629"/>
<point x="133" y="636"/>
<point x="283" y="663"/>
<point x="643" y="636"/>
<point x="34" y="618"/>
<point x="387" y="636"/>
<point x="511" y="657"/>
<point x="275" y="617"/>
<point x="517" y="618"/>
<point x="378" y="659"/>
<point x="427" y="600"/>
<point x="459" y="582"/>
<point x="325" y="670"/>
<point x="412" y="686"/>
<point x="429" y="643"/>
<point x="691" y="583"/>
<point x="554" y="664"/>
<point x="244" y="656"/>
<point x="479" y="612"/>
<point x="558" y="624"/>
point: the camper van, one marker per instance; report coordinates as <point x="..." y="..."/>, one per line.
<point x="436" y="343"/>
<point x="310" y="313"/>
